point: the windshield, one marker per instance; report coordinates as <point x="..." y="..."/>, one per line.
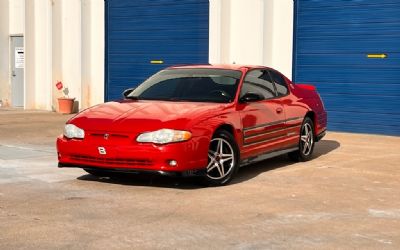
<point x="194" y="85"/>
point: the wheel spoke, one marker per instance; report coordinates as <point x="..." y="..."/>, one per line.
<point x="226" y="159"/>
<point x="304" y="138"/>
<point x="220" y="169"/>
<point x="220" y="147"/>
<point x="305" y="148"/>
<point x="214" y="165"/>
<point x="212" y="161"/>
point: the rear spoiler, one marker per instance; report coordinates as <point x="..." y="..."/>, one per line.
<point x="306" y="86"/>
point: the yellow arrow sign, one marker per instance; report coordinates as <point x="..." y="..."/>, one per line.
<point x="380" y="56"/>
<point x="156" y="61"/>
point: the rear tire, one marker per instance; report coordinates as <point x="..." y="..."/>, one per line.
<point x="306" y="142"/>
<point x="223" y="159"/>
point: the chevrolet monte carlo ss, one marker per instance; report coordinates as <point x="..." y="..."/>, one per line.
<point x="203" y="120"/>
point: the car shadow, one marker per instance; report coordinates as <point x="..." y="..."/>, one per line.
<point x="145" y="180"/>
<point x="245" y="173"/>
<point x="251" y="171"/>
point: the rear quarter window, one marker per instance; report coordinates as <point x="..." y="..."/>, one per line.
<point x="280" y="83"/>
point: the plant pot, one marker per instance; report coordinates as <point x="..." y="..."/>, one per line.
<point x="65" y="105"/>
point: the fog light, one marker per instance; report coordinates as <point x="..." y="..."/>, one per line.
<point x="172" y="163"/>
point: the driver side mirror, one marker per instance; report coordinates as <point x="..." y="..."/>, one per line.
<point x="127" y="92"/>
<point x="251" y="97"/>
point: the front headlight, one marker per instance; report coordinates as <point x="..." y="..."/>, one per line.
<point x="163" y="136"/>
<point x="72" y="131"/>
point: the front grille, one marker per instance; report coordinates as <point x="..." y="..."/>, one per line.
<point x="109" y="136"/>
<point x="112" y="161"/>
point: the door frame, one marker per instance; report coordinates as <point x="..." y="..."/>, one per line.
<point x="11" y="53"/>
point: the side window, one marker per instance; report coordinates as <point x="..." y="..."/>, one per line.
<point x="258" y="81"/>
<point x="280" y="82"/>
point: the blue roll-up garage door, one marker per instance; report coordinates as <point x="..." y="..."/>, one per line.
<point x="145" y="36"/>
<point x="351" y="51"/>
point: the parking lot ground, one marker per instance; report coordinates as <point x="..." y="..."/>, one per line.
<point x="347" y="197"/>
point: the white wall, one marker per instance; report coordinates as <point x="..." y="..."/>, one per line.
<point x="4" y="54"/>
<point x="71" y="61"/>
<point x="281" y="52"/>
<point x="38" y="56"/>
<point x="17" y="12"/>
<point x="92" y="52"/>
<point x="11" y="23"/>
<point x="64" y="42"/>
<point x="255" y="32"/>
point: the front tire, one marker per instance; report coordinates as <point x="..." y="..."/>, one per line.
<point x="306" y="142"/>
<point x="223" y="159"/>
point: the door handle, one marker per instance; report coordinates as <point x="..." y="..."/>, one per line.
<point x="279" y="110"/>
<point x="13" y="73"/>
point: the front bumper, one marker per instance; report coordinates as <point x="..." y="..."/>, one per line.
<point x="190" y="156"/>
<point x="187" y="173"/>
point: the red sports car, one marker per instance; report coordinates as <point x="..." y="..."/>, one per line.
<point x="203" y="120"/>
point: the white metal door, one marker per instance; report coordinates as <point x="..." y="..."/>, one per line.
<point x="17" y="71"/>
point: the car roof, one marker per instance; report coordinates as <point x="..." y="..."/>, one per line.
<point x="217" y="66"/>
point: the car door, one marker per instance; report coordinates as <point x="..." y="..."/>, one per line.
<point x="263" y="121"/>
<point x="293" y="109"/>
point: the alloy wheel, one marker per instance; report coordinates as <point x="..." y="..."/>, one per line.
<point x="307" y="139"/>
<point x="221" y="159"/>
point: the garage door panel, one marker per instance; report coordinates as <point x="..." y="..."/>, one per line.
<point x="159" y="32"/>
<point x="332" y="42"/>
<point x="348" y="103"/>
<point x="346" y="75"/>
<point x="132" y="59"/>
<point x="365" y="28"/>
<point x="346" y="16"/>
<point x="349" y="59"/>
<point x="311" y="4"/>
<point x="366" y="117"/>
<point x="126" y="14"/>
<point x="359" y="89"/>
<point x="149" y="45"/>
<point x="365" y="128"/>
<point x="348" y="44"/>
<point x="138" y="32"/>
<point x="150" y="4"/>
<point x="157" y="22"/>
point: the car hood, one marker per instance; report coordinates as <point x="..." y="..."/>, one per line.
<point x="138" y="116"/>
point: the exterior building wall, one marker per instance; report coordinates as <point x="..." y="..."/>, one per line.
<point x="17" y="10"/>
<point x="257" y="32"/>
<point x="71" y="48"/>
<point x="92" y="52"/>
<point x="64" y="41"/>
<point x="38" y="61"/>
<point x="5" y="87"/>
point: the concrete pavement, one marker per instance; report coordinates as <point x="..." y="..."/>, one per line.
<point x="347" y="197"/>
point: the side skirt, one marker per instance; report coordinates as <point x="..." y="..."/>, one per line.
<point x="320" y="136"/>
<point x="266" y="156"/>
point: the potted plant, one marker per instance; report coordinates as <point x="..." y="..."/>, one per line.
<point x="65" y="103"/>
